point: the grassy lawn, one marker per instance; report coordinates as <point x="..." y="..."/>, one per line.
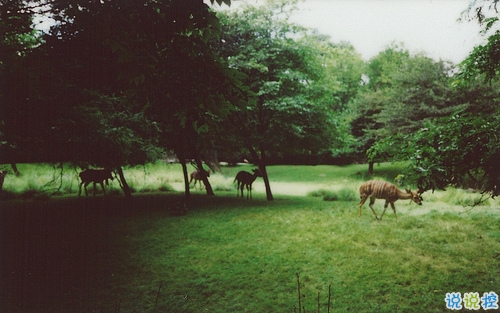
<point x="111" y="254"/>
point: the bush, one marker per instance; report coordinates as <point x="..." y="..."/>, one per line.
<point x="344" y="194"/>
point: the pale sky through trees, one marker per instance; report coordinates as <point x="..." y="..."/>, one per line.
<point x="429" y="26"/>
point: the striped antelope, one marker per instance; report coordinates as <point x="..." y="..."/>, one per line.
<point x="246" y="179"/>
<point x="197" y="176"/>
<point x="96" y="175"/>
<point x="375" y="189"/>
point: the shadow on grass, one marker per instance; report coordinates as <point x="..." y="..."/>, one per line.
<point x="57" y="254"/>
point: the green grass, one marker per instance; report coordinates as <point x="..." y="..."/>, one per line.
<point x="229" y="254"/>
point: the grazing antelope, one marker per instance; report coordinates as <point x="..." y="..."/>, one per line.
<point x="198" y="176"/>
<point x="96" y="175"/>
<point x="375" y="189"/>
<point x="246" y="179"/>
<point x="2" y="178"/>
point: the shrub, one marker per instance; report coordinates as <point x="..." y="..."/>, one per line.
<point x="344" y="194"/>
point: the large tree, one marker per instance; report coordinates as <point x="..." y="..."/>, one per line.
<point x="17" y="40"/>
<point x="403" y="92"/>
<point x="463" y="149"/>
<point x="293" y="113"/>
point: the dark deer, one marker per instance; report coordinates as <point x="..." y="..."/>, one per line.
<point x="96" y="176"/>
<point x="375" y="189"/>
<point x="198" y="176"/>
<point x="246" y="179"/>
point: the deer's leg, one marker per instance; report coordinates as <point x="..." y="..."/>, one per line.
<point x="249" y="187"/>
<point x="372" y="201"/>
<point x="241" y="188"/>
<point x="385" y="208"/>
<point x="80" y="189"/>
<point x="394" y="209"/>
<point x="94" y="188"/>
<point x="363" y="200"/>
<point x="85" y="187"/>
<point x="102" y="186"/>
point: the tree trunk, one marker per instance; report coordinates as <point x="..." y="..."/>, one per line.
<point x="261" y="162"/>
<point x="370" y="167"/>
<point x="262" y="168"/>
<point x="269" y="194"/>
<point x="182" y="160"/>
<point x="14" y="168"/>
<point x="124" y="185"/>
<point x="208" y="187"/>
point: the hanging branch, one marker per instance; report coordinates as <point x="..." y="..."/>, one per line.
<point x="56" y="177"/>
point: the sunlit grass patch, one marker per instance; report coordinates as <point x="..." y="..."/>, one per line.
<point x="41" y="179"/>
<point x="220" y="182"/>
<point x="464" y="197"/>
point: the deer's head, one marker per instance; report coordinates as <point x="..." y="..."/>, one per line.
<point x="257" y="172"/>
<point x="415" y="196"/>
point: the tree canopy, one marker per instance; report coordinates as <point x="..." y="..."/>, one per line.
<point x="297" y="78"/>
<point x="118" y="83"/>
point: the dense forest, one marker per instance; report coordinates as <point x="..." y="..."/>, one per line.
<point x="116" y="83"/>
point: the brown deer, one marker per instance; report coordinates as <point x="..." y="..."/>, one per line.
<point x="197" y="176"/>
<point x="375" y="189"/>
<point x="96" y="175"/>
<point x="246" y="179"/>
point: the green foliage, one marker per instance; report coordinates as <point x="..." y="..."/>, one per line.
<point x="17" y="37"/>
<point x="122" y="73"/>
<point x="123" y="137"/>
<point x="484" y="60"/>
<point x="403" y="92"/>
<point x="299" y="81"/>
<point x="441" y="158"/>
<point x="457" y="150"/>
<point x="383" y="67"/>
<point x="406" y="113"/>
